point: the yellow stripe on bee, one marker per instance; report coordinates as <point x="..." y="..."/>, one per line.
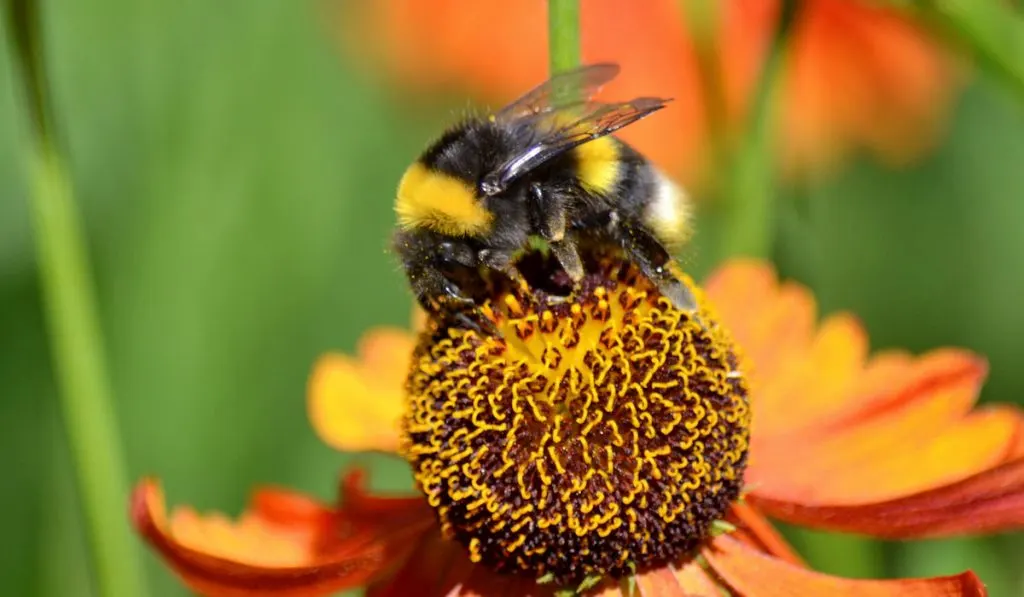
<point x="598" y="167"/>
<point x="668" y="212"/>
<point x="437" y="201"/>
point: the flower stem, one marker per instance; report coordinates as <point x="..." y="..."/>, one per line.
<point x="749" y="227"/>
<point x="74" y="331"/>
<point x="563" y="35"/>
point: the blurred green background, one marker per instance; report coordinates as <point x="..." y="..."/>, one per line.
<point x="237" y="177"/>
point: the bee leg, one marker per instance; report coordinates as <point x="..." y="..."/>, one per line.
<point x="548" y="213"/>
<point x="655" y="262"/>
<point x="447" y="301"/>
<point x="500" y="260"/>
<point x="465" y="313"/>
<point x="480" y="325"/>
<point x="434" y="292"/>
<point x="441" y="297"/>
<point x="567" y="255"/>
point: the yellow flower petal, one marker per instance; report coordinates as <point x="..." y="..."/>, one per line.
<point x="355" y="403"/>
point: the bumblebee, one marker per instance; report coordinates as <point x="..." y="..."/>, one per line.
<point x="544" y="166"/>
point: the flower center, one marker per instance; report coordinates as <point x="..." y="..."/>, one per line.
<point x="594" y="436"/>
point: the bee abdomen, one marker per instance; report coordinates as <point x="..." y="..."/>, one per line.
<point x="668" y="211"/>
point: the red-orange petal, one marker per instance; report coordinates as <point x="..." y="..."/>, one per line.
<point x="754" y="530"/>
<point x="799" y="373"/>
<point x="987" y="502"/>
<point x="424" y="572"/>
<point x="857" y="75"/>
<point x="661" y="582"/>
<point x="805" y="375"/>
<point x="749" y="572"/>
<point x="877" y="428"/>
<point x="696" y="581"/>
<point x="286" y="545"/>
<point x="917" y="436"/>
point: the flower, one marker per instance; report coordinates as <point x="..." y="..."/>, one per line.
<point x="858" y="75"/>
<point x="887" y="445"/>
<point x="593" y="437"/>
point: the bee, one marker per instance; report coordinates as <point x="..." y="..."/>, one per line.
<point x="544" y="166"/>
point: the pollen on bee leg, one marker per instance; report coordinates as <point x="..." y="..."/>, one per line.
<point x="596" y="436"/>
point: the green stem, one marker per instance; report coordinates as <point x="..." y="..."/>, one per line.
<point x="563" y="35"/>
<point x="73" y="325"/>
<point x="702" y="24"/>
<point x="749" y="227"/>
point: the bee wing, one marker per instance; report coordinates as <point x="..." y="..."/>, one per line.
<point x="571" y="87"/>
<point x="597" y="121"/>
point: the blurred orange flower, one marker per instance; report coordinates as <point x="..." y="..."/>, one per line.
<point x="858" y="75"/>
<point x="887" y="445"/>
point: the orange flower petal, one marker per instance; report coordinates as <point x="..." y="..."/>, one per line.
<point x="696" y="582"/>
<point x="978" y="442"/>
<point x="818" y="397"/>
<point x="987" y="502"/>
<point x="356" y="404"/>
<point x="749" y="572"/>
<point x="891" y="433"/>
<point x="774" y="324"/>
<point x="690" y="580"/>
<point x="800" y="374"/>
<point x="660" y="582"/>
<point x="857" y="75"/>
<point x="418" y="320"/>
<point x="286" y="545"/>
<point x="805" y="376"/>
<point x="914" y="437"/>
<point x="754" y="530"/>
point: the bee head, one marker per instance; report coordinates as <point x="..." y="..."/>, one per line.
<point x="445" y="190"/>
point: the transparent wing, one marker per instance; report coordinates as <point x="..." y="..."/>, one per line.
<point x="559" y="91"/>
<point x="598" y="120"/>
